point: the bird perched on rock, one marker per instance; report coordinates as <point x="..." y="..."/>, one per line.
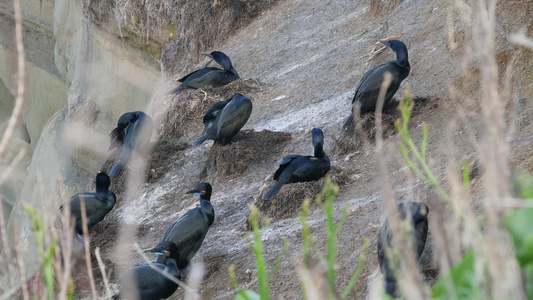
<point x="367" y="90"/>
<point x="145" y="283"/>
<point x="97" y="204"/>
<point x="298" y="168"/>
<point x="224" y="119"/>
<point x="133" y="132"/>
<point x="188" y="231"/>
<point x="209" y="76"/>
<point x="416" y="215"/>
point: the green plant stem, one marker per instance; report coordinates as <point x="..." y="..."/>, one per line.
<point x="306" y="232"/>
<point x="279" y="259"/>
<point x="357" y="272"/>
<point x="46" y="255"/>
<point x="402" y="126"/>
<point x="257" y="247"/>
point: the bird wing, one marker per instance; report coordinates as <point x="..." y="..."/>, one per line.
<point x="214" y="110"/>
<point x="312" y="169"/>
<point x="188" y="233"/>
<point x="140" y="132"/>
<point x="371" y="81"/>
<point x="116" y="138"/>
<point x="75" y="203"/>
<point x="285" y="162"/>
<point x="197" y="73"/>
<point x="233" y="117"/>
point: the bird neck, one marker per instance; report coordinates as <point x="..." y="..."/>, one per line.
<point x="319" y="151"/>
<point x="402" y="59"/>
<point x="208" y="210"/>
<point x="234" y="72"/>
<point x="172" y="265"/>
<point x="102" y="192"/>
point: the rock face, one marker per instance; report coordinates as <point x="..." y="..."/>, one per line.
<point x="80" y="80"/>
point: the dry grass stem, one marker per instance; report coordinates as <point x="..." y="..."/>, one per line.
<point x="195" y="279"/>
<point x="21" y="75"/>
<point x="522" y="39"/>
<point x="14" y="163"/>
<point x="102" y="269"/>
<point x="494" y="151"/>
<point x="86" y="240"/>
<point x="22" y="274"/>
<point x="163" y="272"/>
<point x="13" y="120"/>
<point x="409" y="281"/>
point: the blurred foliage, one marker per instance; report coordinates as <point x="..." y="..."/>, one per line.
<point x="45" y="250"/>
<point x="459" y="283"/>
<point x="325" y="199"/>
<point x="257" y="247"/>
<point x="519" y="223"/>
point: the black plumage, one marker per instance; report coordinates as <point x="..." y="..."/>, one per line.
<point x="416" y="214"/>
<point x="367" y="90"/>
<point x="209" y="76"/>
<point x="298" y="168"/>
<point x="133" y="132"/>
<point x="97" y="204"/>
<point x="148" y="284"/>
<point x="188" y="231"/>
<point x="224" y="119"/>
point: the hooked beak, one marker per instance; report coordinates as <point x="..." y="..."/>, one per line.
<point x="386" y="43"/>
<point x="206" y="54"/>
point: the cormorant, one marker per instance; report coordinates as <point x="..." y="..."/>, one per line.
<point x="209" y="75"/>
<point x="147" y="283"/>
<point x="97" y="204"/>
<point x="224" y="119"/>
<point x="416" y="213"/>
<point x="298" y="168"/>
<point x="188" y="231"/>
<point x="133" y="132"/>
<point x="367" y="90"/>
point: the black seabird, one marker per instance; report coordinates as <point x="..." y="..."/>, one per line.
<point x="209" y="76"/>
<point x="416" y="213"/>
<point x="188" y="231"/>
<point x="224" y="119"/>
<point x="298" y="168"/>
<point x="148" y="284"/>
<point x="97" y="204"/>
<point x="133" y="132"/>
<point x="367" y="90"/>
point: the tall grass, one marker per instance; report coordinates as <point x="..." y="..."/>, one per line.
<point x="333" y="228"/>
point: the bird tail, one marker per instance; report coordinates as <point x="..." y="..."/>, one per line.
<point x="390" y="287"/>
<point x="175" y="90"/>
<point x="347" y="123"/>
<point x="273" y="191"/>
<point x="115" y="170"/>
<point x="199" y="140"/>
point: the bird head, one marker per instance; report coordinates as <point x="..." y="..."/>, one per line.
<point x="317" y="136"/>
<point x="102" y="181"/>
<point x="416" y="211"/>
<point x="399" y="49"/>
<point x="203" y="189"/>
<point x="166" y="248"/>
<point x="126" y="119"/>
<point x="221" y="58"/>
